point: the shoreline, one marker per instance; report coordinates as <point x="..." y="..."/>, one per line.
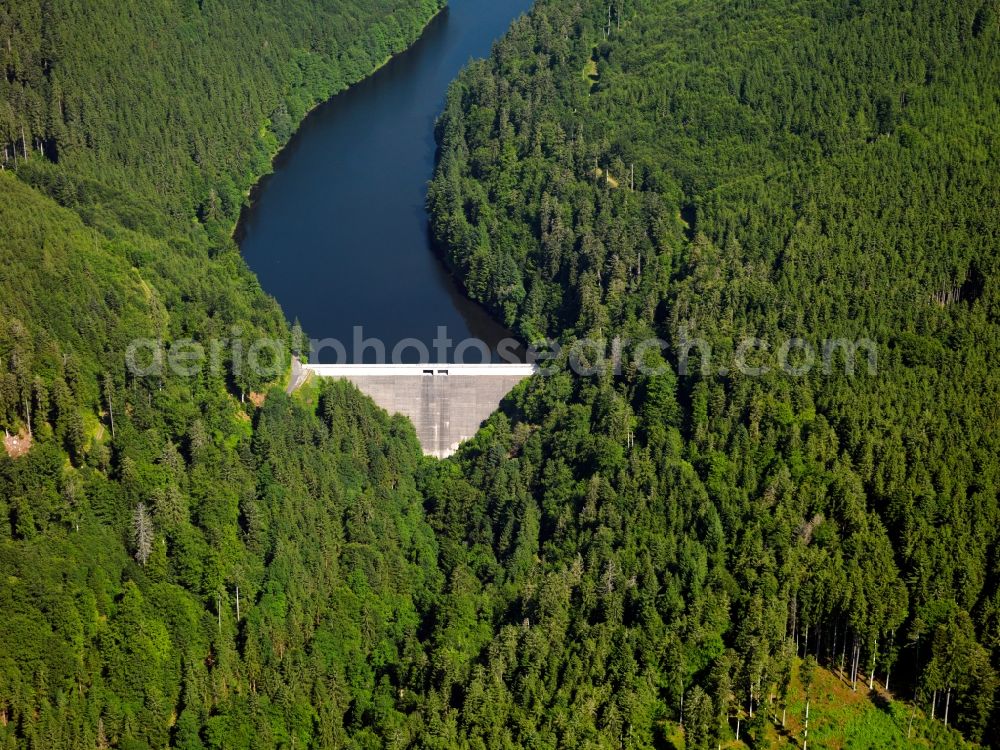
<point x="249" y="195"/>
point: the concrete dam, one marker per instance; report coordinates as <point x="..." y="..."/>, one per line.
<point x="446" y="403"/>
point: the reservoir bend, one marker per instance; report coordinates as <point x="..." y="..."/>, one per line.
<point x="338" y="232"/>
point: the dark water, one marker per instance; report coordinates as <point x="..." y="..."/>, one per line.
<point x="338" y="233"/>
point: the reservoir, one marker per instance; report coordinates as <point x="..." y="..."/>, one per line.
<point x="338" y="233"/>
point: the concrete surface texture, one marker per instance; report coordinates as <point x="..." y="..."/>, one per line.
<point x="446" y="403"/>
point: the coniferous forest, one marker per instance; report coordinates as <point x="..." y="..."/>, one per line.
<point x="619" y="560"/>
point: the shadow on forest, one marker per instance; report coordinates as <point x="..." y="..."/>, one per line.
<point x="689" y="215"/>
<point x="663" y="741"/>
<point x="881" y="702"/>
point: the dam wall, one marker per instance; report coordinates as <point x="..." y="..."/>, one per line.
<point x="446" y="403"/>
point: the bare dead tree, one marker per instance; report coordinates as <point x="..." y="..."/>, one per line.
<point x="142" y="531"/>
<point x="73" y="495"/>
<point x="109" y="395"/>
<point x="102" y="739"/>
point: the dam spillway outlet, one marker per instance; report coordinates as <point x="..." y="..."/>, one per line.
<point x="446" y="403"/>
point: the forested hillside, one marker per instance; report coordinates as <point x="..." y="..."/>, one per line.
<point x="181" y="100"/>
<point x="776" y="169"/>
<point x="178" y="566"/>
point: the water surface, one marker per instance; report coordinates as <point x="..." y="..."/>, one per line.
<point x="338" y="233"/>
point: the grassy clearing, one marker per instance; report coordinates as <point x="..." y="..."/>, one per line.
<point x="842" y="719"/>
